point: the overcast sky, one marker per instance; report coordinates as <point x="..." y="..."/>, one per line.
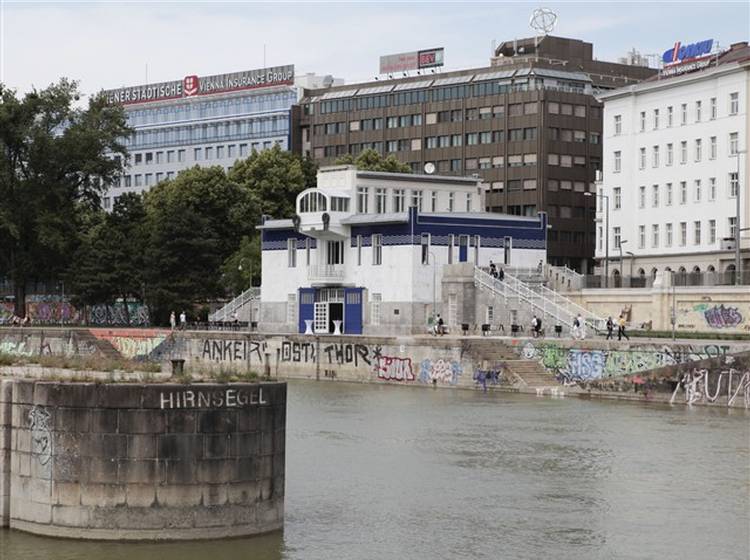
<point x="110" y="44"/>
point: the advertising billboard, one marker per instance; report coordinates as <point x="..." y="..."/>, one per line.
<point x="415" y="60"/>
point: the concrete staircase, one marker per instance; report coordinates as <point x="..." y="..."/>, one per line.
<point x="519" y="372"/>
<point x="532" y="374"/>
<point x="84" y="338"/>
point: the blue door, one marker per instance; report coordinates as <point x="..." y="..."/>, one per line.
<point x="306" y="306"/>
<point x="353" y="310"/>
<point x="463" y="248"/>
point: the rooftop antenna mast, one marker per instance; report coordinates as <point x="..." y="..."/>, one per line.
<point x="543" y="21"/>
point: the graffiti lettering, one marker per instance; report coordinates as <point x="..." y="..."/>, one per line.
<point x="703" y="386"/>
<point x="394" y="369"/>
<point x="720" y="317"/>
<point x="221" y="350"/>
<point x="41" y="439"/>
<point x="439" y="371"/>
<point x="348" y="354"/>
<point x="297" y="352"/>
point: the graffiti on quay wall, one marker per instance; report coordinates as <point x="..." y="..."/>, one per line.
<point x="133" y="344"/>
<point x="51" y="310"/>
<point x="347" y="353"/>
<point x="574" y="365"/>
<point x="719" y="316"/>
<point x="330" y="354"/>
<point x="232" y="350"/>
<point x="439" y="371"/>
<point x="41" y="438"/>
<point x="20" y="346"/>
<point x="392" y="368"/>
<point x="704" y="386"/>
<point x="484" y="377"/>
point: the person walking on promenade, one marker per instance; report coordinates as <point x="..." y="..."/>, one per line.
<point x="183" y="321"/>
<point x="172" y="320"/>
<point x="501" y="274"/>
<point x="610" y="327"/>
<point x="493" y="270"/>
<point x="440" y="325"/>
<point x="621" y="328"/>
<point x="534" y="330"/>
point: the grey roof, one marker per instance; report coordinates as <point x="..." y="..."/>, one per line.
<point x="276" y="224"/>
<point x="494" y="75"/>
<point x="338" y="94"/>
<point x="373" y="90"/>
<point x="389" y="218"/>
<point x="480" y="216"/>
<point x="414" y="177"/>
<point x="550" y="73"/>
<point x="453" y="80"/>
<point x="412" y="85"/>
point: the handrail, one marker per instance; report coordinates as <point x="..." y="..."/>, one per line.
<point x="252" y="293"/>
<point x="544" y="300"/>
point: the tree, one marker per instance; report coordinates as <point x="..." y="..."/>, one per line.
<point x="275" y="177"/>
<point x="371" y="160"/>
<point x="242" y="269"/>
<point x="194" y="222"/>
<point x="55" y="161"/>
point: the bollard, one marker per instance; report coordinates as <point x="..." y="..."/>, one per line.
<point x="178" y="367"/>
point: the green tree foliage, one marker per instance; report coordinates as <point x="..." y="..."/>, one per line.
<point x="371" y="160"/>
<point x="194" y="223"/>
<point x="54" y="162"/>
<point x="242" y="269"/>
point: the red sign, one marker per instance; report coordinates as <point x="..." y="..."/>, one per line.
<point x="190" y="85"/>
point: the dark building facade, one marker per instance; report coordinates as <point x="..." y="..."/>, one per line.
<point x="528" y="125"/>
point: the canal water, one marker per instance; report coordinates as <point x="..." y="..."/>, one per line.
<point x="377" y="471"/>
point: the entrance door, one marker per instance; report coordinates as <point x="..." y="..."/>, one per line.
<point x="335" y="313"/>
<point x="306" y="301"/>
<point x="321" y="317"/>
<point x="463" y="248"/>
<point x="353" y="311"/>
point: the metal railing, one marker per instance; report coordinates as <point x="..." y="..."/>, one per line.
<point x="681" y="279"/>
<point x="542" y="300"/>
<point x="225" y="313"/>
<point x="325" y="273"/>
<point x="562" y="277"/>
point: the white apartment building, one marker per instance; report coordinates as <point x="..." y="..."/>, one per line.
<point x="671" y="172"/>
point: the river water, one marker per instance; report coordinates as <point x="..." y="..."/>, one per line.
<point x="376" y="471"/>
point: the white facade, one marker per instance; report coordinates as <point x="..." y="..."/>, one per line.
<point x="670" y="172"/>
<point x="386" y="235"/>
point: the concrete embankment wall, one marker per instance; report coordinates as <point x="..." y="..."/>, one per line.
<point x="132" y="461"/>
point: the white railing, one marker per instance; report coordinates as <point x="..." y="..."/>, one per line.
<point x="542" y="300"/>
<point x="563" y="277"/>
<point x="325" y="273"/>
<point x="225" y="313"/>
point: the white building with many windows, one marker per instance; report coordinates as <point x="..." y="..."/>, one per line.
<point x="206" y="120"/>
<point x="367" y="249"/>
<point x="674" y="164"/>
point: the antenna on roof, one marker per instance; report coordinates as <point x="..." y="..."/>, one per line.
<point x="543" y="21"/>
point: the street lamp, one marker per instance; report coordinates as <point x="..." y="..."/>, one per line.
<point x="606" y="233"/>
<point x="434" y="283"/>
<point x="632" y="256"/>
<point x="239" y="268"/>
<point x="737" y="251"/>
<point x="622" y="272"/>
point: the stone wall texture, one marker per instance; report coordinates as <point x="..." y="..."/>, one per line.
<point x="153" y="461"/>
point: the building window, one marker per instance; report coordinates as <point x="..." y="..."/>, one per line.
<point x="655" y="196"/>
<point x="683" y="152"/>
<point x="733" y="143"/>
<point x="655" y="157"/>
<point x="180" y="155"/>
<point x="138" y="180"/>
<point x="468" y="202"/>
<point x="291" y="308"/>
<point x="670" y="116"/>
<point x="363" y="200"/>
<point x="712" y="189"/>
<point x="209" y="153"/>
<point x="643" y="121"/>
<point x="127" y="181"/>
<point x="641" y="197"/>
<point x="399" y="200"/>
<point x="711" y="232"/>
<point x="308" y="248"/>
<point x="138" y="159"/>
<point x="416" y="200"/>
<point x="641" y="237"/>
<point x="291" y="250"/>
<point x="684" y="114"/>
<point x="712" y="148"/>
<point x="380" y="201"/>
<point x="617" y="191"/>
<point x="451" y="243"/>
<point x="618" y="125"/>
<point x="668" y="235"/>
<point x="733" y="227"/>
<point x="733" y="184"/>
<point x="683" y="192"/>
<point x="197" y="154"/>
<point x="425" y="243"/>
<point x="433" y="201"/>
<point x="599" y="238"/>
<point x="734" y="103"/>
<point x="617" y="236"/>
<point x="377" y="249"/>
<point x="654" y="235"/>
<point x="713" y="108"/>
<point x="697" y="190"/>
<point x="698" y="110"/>
<point x="669" y="194"/>
<point x="554" y="108"/>
<point x="670" y="154"/>
<point x="334" y="252"/>
<point x="698" y="149"/>
<point x="375" y="304"/>
<point x="697" y="233"/>
<point x="683" y="234"/>
<point x="617" y="161"/>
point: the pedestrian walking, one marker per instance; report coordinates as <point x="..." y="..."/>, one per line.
<point x="493" y="270"/>
<point x="621" y="328"/>
<point x="539" y="267"/>
<point x="501" y="274"/>
<point x="610" y="327"/>
<point x="440" y="326"/>
<point x="534" y="328"/>
<point x="172" y="320"/>
<point x="183" y="321"/>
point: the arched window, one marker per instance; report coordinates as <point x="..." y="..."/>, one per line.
<point x="653" y="272"/>
<point x="711" y="268"/>
<point x="697" y="269"/>
<point x="641" y="273"/>
<point x="681" y="270"/>
<point x="312" y="202"/>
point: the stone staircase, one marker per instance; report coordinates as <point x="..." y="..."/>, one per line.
<point x="84" y="339"/>
<point x="521" y="373"/>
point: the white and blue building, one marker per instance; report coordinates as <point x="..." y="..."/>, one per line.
<point x="368" y="249"/>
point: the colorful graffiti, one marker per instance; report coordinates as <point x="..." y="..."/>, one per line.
<point x="704" y="386"/>
<point x="439" y="371"/>
<point x="390" y="368"/>
<point x="575" y="365"/>
<point x="719" y="316"/>
<point x="482" y="377"/>
<point x="132" y="343"/>
<point x="41" y="438"/>
<point x="51" y="310"/>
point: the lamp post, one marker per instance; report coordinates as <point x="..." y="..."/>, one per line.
<point x="622" y="272"/>
<point x="434" y="283"/>
<point x="632" y="256"/>
<point x="673" y="315"/>
<point x="737" y="251"/>
<point x="606" y="233"/>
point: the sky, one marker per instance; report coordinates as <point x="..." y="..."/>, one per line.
<point x="112" y="44"/>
